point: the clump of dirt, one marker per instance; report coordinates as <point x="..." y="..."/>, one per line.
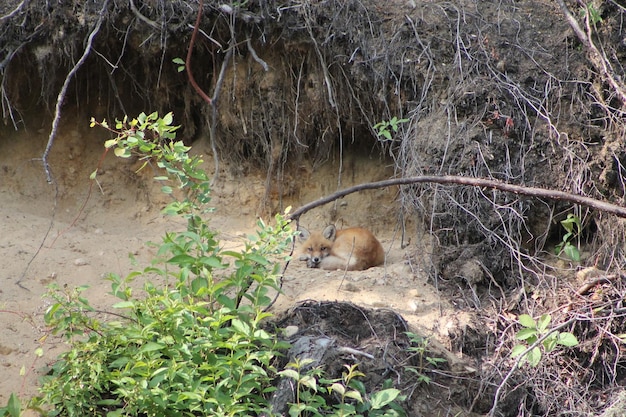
<point x="337" y="335"/>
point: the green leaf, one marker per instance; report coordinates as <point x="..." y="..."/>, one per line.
<point x="382" y="398"/>
<point x="124" y="304"/>
<point x="356" y="395"/>
<point x="534" y="356"/>
<point x="198" y="284"/>
<point x="151" y="347"/>
<point x="241" y="326"/>
<point x="297" y="410"/>
<point x="435" y="361"/>
<point x="122" y="152"/>
<point x="549" y="342"/>
<point x="517" y="350"/>
<point x="527" y="321"/>
<point x="212" y="262"/>
<point x="182" y="260"/>
<point x="567" y="339"/>
<point x="558" y="248"/>
<point x="290" y="373"/>
<point x="14" y="406"/>
<point x="571" y="220"/>
<point x="544" y="322"/>
<point x="572" y="252"/>
<point x="338" y="388"/>
<point x="110" y="143"/>
<point x="309" y="381"/>
<point x="568" y="224"/>
<point x="525" y="334"/>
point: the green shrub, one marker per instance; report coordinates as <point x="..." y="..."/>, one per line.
<point x="532" y="333"/>
<point x="192" y="344"/>
<point x="348" y="393"/>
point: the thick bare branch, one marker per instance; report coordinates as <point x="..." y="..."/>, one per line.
<point x="474" y="182"/>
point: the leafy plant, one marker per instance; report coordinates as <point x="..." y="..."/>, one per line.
<point x="191" y="345"/>
<point x="181" y="64"/>
<point x="313" y="389"/>
<point x="573" y="227"/>
<point x="534" y="331"/>
<point x="385" y="128"/>
<point x="13" y="407"/>
<point x="594" y="15"/>
<point x="419" y="347"/>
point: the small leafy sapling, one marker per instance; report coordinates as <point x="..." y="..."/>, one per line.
<point x="419" y="347"/>
<point x="573" y="227"/>
<point x="385" y="128"/>
<point x="533" y="331"/>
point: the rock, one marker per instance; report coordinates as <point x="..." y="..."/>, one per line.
<point x="81" y="262"/>
<point x="290" y="331"/>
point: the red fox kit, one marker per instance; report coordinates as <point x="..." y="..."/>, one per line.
<point x="353" y="249"/>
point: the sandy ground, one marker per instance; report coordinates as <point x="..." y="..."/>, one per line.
<point x="44" y="242"/>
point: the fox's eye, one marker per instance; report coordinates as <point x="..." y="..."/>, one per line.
<point x="309" y="249"/>
<point x="323" y="248"/>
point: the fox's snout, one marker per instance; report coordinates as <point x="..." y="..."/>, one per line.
<point x="313" y="261"/>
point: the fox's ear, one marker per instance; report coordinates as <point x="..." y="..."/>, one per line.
<point x="330" y="232"/>
<point x="304" y="234"/>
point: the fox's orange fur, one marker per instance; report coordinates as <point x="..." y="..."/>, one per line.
<point x="352" y="249"/>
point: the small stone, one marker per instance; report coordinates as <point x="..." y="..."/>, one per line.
<point x="351" y="287"/>
<point x="381" y="304"/>
<point x="290" y="331"/>
<point x="81" y="262"/>
<point x="380" y="281"/>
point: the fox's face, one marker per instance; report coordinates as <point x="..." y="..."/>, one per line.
<point x="316" y="246"/>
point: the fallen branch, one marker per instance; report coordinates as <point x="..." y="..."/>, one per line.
<point x="474" y="182"/>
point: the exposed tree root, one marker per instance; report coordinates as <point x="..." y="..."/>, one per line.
<point x="66" y="83"/>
